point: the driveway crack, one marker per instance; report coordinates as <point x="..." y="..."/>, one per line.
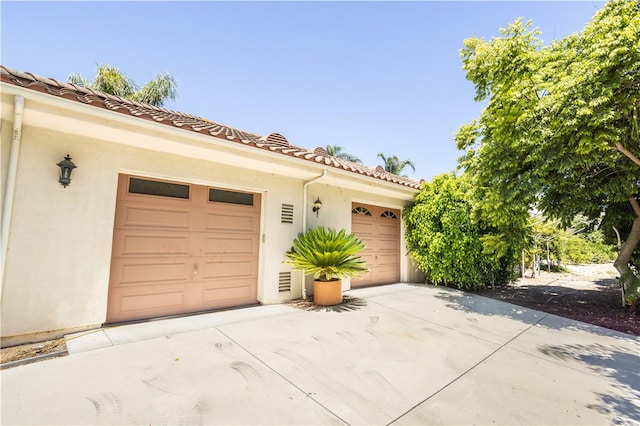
<point x="473" y="367"/>
<point x="305" y="393"/>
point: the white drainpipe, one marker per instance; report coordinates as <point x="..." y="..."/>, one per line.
<point x="304" y="217"/>
<point x="7" y="206"/>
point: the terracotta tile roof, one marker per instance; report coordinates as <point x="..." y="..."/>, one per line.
<point x="274" y="142"/>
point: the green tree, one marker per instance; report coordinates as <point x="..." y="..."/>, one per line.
<point x="112" y="81"/>
<point x="560" y="128"/>
<point x="339" y="152"/>
<point x="451" y="242"/>
<point x="394" y="165"/>
<point x="576" y="244"/>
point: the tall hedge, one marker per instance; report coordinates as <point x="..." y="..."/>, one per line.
<point x="451" y="240"/>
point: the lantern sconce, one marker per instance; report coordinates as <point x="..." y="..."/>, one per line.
<point x="66" y="167"/>
<point x="317" y="205"/>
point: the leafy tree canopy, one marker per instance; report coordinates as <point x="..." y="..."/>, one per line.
<point x="395" y="165"/>
<point x="111" y="80"/>
<point x="560" y="128"/>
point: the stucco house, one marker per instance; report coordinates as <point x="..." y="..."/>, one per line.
<point x="166" y="213"/>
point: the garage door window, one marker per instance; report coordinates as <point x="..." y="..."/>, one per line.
<point x="231" y="197"/>
<point x="361" y="210"/>
<point x="389" y="214"/>
<point x="162" y="189"/>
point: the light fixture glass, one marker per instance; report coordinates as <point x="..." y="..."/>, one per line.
<point x="66" y="167"/>
<point x="317" y="205"/>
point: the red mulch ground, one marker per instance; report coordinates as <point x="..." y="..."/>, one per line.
<point x="587" y="293"/>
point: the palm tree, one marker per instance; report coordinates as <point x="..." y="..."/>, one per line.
<point x="394" y="165"/>
<point x="338" y="152"/>
<point x="111" y="80"/>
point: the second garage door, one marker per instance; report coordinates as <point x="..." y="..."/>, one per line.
<point x="379" y="229"/>
<point x="180" y="248"/>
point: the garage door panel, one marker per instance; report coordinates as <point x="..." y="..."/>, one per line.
<point x="150" y="243"/>
<point x="385" y="244"/>
<point x="226" y="243"/>
<point x="230" y="268"/>
<point x="362" y="228"/>
<point x="175" y="255"/>
<point x="154" y="217"/>
<point x="158" y="301"/>
<point x="380" y="231"/>
<point x="228" y="222"/>
<point x="385" y="260"/>
<point x="228" y="296"/>
<point x="364" y="279"/>
<point x="390" y="230"/>
<point x="139" y="272"/>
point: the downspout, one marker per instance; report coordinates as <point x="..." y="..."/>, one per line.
<point x="304" y="217"/>
<point x="12" y="171"/>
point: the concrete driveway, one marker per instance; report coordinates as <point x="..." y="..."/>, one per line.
<point x="402" y="354"/>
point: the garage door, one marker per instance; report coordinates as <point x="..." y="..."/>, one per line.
<point x="180" y="248"/>
<point x="379" y="229"/>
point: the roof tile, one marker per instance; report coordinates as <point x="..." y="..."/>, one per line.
<point x="273" y="142"/>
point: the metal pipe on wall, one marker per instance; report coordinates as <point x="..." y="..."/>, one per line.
<point x="12" y="171"/>
<point x="304" y="217"/>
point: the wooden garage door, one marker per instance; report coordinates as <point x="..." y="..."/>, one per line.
<point x="180" y="248"/>
<point x="379" y="229"/>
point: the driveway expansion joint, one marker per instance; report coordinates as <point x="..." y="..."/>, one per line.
<point x="482" y="361"/>
<point x="305" y="393"/>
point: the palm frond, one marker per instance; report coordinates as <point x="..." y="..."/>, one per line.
<point x="326" y="253"/>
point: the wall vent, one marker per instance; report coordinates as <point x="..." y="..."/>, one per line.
<point x="287" y="213"/>
<point x="284" y="281"/>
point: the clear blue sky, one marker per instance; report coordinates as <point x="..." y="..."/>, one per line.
<point x="368" y="76"/>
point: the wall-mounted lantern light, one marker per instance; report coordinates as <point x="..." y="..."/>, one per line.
<point x="317" y="205"/>
<point x="66" y="167"/>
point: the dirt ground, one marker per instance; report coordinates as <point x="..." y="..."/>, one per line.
<point x="31" y="350"/>
<point x="587" y="293"/>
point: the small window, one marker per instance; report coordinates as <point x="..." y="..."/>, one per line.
<point x="161" y="189"/>
<point x="388" y="214"/>
<point x="230" y="197"/>
<point x="361" y="210"/>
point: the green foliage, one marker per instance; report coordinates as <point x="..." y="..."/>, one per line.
<point x="112" y="81"/>
<point x="394" y="165"/>
<point x="559" y="132"/>
<point x="576" y="249"/>
<point x="452" y="242"/>
<point x="577" y="245"/>
<point x="326" y="253"/>
<point x="339" y="152"/>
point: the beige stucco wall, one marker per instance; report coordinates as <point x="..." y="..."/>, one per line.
<point x="57" y="274"/>
<point x="336" y="212"/>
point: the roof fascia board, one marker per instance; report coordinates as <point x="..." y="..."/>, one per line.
<point x="178" y="142"/>
<point x="190" y="144"/>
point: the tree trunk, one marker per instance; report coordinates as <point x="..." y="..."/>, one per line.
<point x="630" y="281"/>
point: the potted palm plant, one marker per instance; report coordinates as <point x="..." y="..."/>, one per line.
<point x="329" y="256"/>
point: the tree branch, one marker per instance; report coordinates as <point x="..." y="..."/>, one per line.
<point x="628" y="153"/>
<point x="618" y="236"/>
<point x="635" y="206"/>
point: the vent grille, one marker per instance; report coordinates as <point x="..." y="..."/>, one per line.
<point x="287" y="213"/>
<point x="284" y="281"/>
<point x="276" y="139"/>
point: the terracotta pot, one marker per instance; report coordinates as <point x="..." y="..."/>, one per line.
<point x="327" y="293"/>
